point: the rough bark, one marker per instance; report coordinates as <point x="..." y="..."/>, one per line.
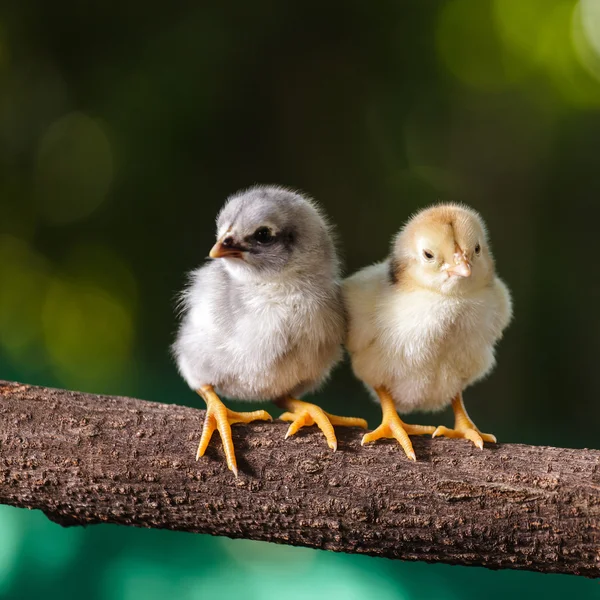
<point x="83" y="459"/>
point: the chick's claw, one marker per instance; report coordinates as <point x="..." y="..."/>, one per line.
<point x="248" y="417"/>
<point x="304" y="414"/>
<point x="392" y="427"/>
<point x="218" y="416"/>
<point x="468" y="433"/>
<point x="400" y="436"/>
<point x="464" y="426"/>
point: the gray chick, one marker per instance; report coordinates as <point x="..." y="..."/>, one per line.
<point x="265" y="321"/>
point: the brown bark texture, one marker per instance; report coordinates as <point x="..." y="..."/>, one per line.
<point x="84" y="459"/>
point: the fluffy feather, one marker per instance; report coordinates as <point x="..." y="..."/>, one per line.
<point x="420" y="332"/>
<point x="272" y="324"/>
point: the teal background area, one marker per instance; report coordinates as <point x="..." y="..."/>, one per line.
<point x="123" y="127"/>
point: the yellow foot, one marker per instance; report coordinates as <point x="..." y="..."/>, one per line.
<point x="218" y="416"/>
<point x="468" y="433"/>
<point x="303" y="414"/>
<point x="393" y="427"/>
<point x="463" y="426"/>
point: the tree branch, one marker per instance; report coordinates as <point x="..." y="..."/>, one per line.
<point x="83" y="459"/>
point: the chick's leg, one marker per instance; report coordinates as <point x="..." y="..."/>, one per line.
<point x="463" y="426"/>
<point x="303" y="414"/>
<point x="393" y="427"/>
<point x="218" y="416"/>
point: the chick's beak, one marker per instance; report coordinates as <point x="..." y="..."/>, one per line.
<point x="226" y="249"/>
<point x="462" y="269"/>
<point x="462" y="266"/>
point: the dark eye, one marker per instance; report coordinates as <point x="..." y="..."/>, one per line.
<point x="428" y="254"/>
<point x="478" y="249"/>
<point x="263" y="235"/>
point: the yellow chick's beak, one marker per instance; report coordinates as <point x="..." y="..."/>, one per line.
<point x="462" y="269"/>
<point x="222" y="250"/>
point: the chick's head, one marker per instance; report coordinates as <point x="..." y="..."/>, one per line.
<point x="445" y="249"/>
<point x="269" y="231"/>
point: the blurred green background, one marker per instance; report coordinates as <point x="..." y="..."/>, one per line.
<point x="123" y="126"/>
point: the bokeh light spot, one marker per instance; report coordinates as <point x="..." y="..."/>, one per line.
<point x="74" y="168"/>
<point x="469" y="46"/>
<point x="92" y="263"/>
<point x="558" y="54"/>
<point x="131" y="579"/>
<point x="548" y="35"/>
<point x="10" y="545"/>
<point x="88" y="333"/>
<point x="24" y="276"/>
<point x="590" y="20"/>
<point x="517" y="23"/>
<point x="586" y="36"/>
<point x="324" y="577"/>
<point x="49" y="547"/>
<point x="254" y="555"/>
<point x="32" y="95"/>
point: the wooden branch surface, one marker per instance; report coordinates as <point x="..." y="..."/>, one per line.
<point x="83" y="459"/>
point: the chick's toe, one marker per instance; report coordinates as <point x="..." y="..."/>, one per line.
<point x="218" y="416"/>
<point x="393" y="427"/>
<point x="304" y="414"/>
<point x="464" y="426"/>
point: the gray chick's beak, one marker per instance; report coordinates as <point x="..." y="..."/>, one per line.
<point x="226" y="249"/>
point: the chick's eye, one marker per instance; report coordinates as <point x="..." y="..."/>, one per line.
<point x="478" y="249"/>
<point x="263" y="235"/>
<point x="428" y="254"/>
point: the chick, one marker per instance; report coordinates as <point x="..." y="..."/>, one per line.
<point x="423" y="324"/>
<point x="265" y="319"/>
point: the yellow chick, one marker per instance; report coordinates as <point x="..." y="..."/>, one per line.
<point x="423" y="324"/>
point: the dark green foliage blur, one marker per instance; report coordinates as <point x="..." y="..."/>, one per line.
<point x="123" y="127"/>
